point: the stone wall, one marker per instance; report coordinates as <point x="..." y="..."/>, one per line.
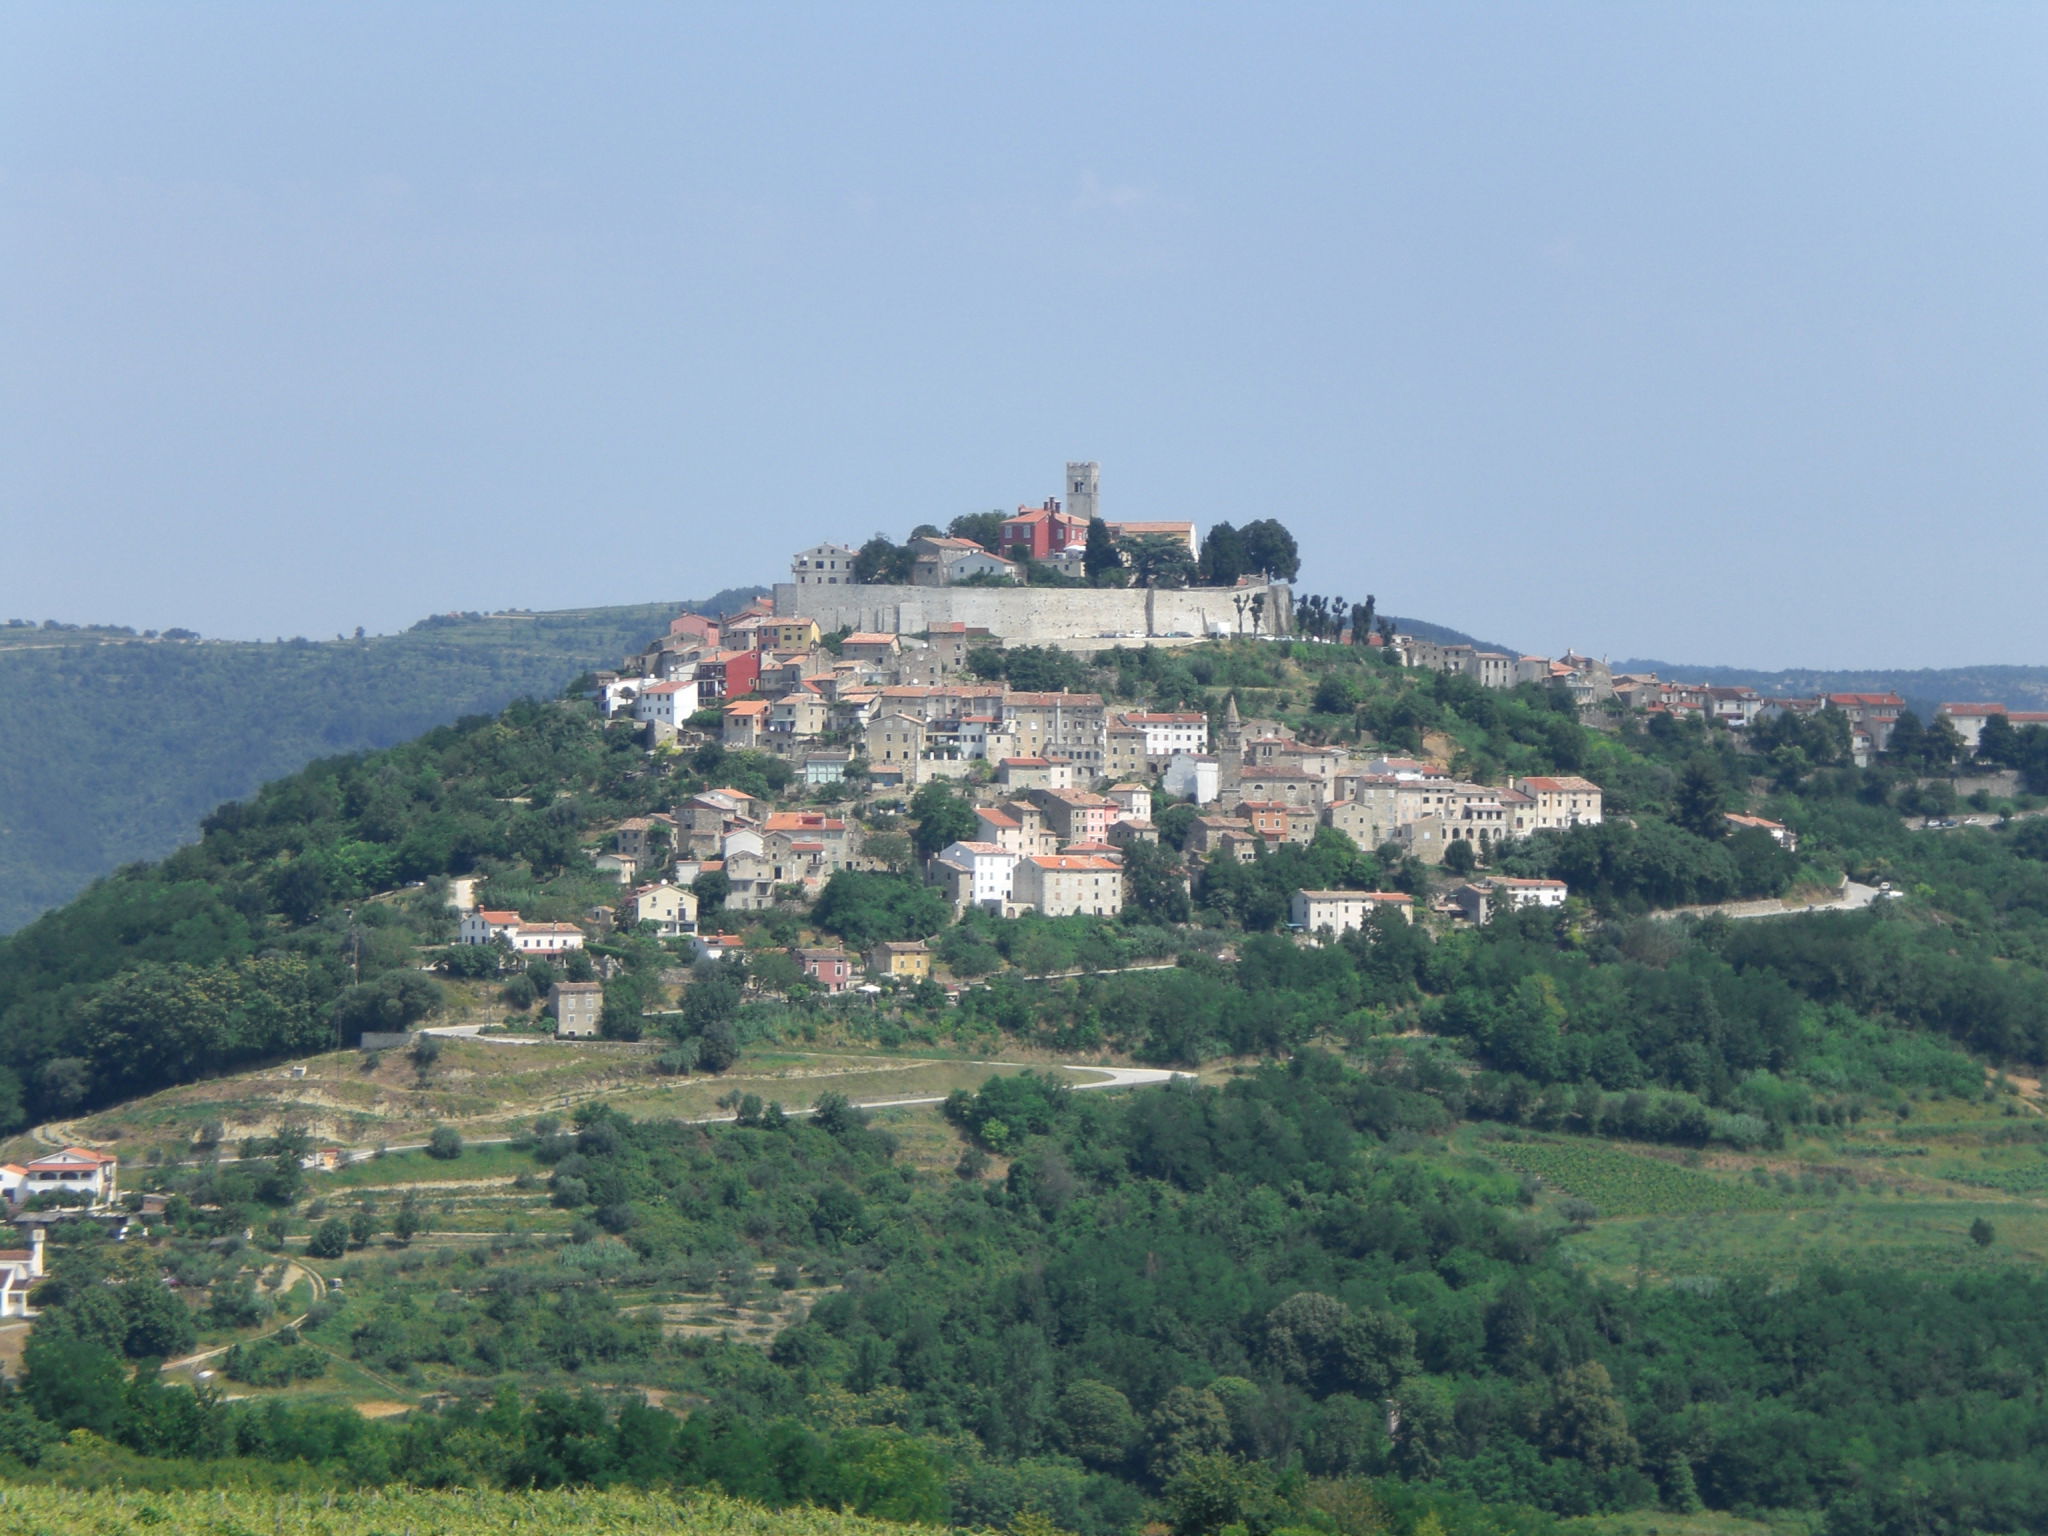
<point x="1034" y="615"/>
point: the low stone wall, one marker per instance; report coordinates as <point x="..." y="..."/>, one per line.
<point x="1035" y="615"/>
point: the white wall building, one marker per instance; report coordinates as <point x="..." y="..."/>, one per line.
<point x="1189" y="776"/>
<point x="666" y="704"/>
<point x="992" y="871"/>
<point x="1345" y="911"/>
<point x="823" y="565"/>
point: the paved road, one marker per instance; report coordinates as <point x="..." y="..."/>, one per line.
<point x="1853" y="898"/>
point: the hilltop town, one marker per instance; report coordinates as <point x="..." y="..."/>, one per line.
<point x="1050" y="793"/>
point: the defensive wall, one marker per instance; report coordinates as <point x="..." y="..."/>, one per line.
<point x="1035" y="615"/>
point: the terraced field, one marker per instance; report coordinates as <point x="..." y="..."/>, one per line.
<point x="1619" y="1183"/>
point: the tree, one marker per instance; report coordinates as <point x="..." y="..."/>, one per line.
<point x="445" y="1143"/>
<point x="775" y="971"/>
<point x="1153" y="885"/>
<point x="624" y="1014"/>
<point x="719" y="1046"/>
<point x="711" y="888"/>
<point x="1700" y="800"/>
<point x="1099" y="555"/>
<point x="1223" y="557"/>
<point x="1997" y="741"/>
<point x="1459" y="858"/>
<point x="892" y="850"/>
<point x="1186" y="1425"/>
<point x="329" y="1239"/>
<point x="1270" y="549"/>
<point x="395" y="1001"/>
<point x="407" y="1224"/>
<point x="1160" y="560"/>
<point x="1094" y="1423"/>
<point x="1586" y="1422"/>
<point x="882" y="562"/>
<point x="362" y="1227"/>
<point x="984" y="528"/>
<point x="943" y="818"/>
<point x="1982" y="1233"/>
<point x="865" y="907"/>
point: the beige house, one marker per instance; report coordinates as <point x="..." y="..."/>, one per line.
<point x="745" y="723"/>
<point x="1559" y="803"/>
<point x="905" y="960"/>
<point x="895" y="738"/>
<point x="1060" y="885"/>
<point x="670" y="908"/>
<point x="577" y="1006"/>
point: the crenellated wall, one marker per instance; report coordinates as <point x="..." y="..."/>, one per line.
<point x="1032" y="615"/>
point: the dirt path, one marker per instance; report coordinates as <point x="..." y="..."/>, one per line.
<point x="294" y="1270"/>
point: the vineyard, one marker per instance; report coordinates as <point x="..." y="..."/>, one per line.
<point x="2024" y="1179"/>
<point x="44" y="1511"/>
<point x="1618" y="1183"/>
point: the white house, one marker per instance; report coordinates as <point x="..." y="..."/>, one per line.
<point x="1477" y="900"/>
<point x="991" y="869"/>
<point x="75" y="1170"/>
<point x="485" y="926"/>
<point x="1190" y="776"/>
<point x="1345" y="911"/>
<point x="20" y="1269"/>
<point x="666" y="704"/>
<point x="1169" y="734"/>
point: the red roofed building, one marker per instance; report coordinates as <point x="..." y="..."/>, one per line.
<point x="75" y="1170"/>
<point x="1061" y="884"/>
<point x="1043" y="533"/>
<point x="1874" y="714"/>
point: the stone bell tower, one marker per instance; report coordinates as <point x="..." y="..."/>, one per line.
<point x="1083" y="483"/>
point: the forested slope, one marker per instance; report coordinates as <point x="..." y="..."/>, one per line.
<point x="114" y="746"/>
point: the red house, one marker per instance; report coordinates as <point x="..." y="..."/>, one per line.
<point x="728" y="675"/>
<point x="1043" y="533"/>
<point x="831" y="969"/>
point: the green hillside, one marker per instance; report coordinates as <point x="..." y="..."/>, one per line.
<point x="1588" y="1210"/>
<point x="115" y="745"/>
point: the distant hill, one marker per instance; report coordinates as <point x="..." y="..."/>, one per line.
<point x="1922" y="688"/>
<point x="116" y="744"/>
<point x="1442" y="634"/>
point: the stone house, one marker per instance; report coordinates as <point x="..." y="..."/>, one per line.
<point x="578" y="1008"/>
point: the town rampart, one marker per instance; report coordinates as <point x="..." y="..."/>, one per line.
<point x="1034" y="615"/>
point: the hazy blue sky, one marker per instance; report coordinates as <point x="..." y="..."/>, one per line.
<point x="1710" y="332"/>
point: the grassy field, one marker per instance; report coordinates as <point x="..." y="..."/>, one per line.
<point x="1617" y="1182"/>
<point x="484" y="1090"/>
<point x="59" y="1511"/>
<point x="1903" y="1232"/>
